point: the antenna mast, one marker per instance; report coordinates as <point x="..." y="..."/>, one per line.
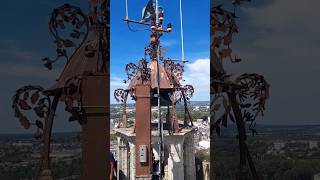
<point x="127" y="13"/>
<point x="160" y="123"/>
<point x="181" y="34"/>
<point x="156" y="26"/>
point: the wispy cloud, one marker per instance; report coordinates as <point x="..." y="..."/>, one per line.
<point x="18" y="54"/>
<point x="116" y="81"/>
<point x="169" y="42"/>
<point x="29" y="71"/>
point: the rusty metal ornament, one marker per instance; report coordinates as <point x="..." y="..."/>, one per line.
<point x="175" y="68"/>
<point x="182" y="93"/>
<point x="131" y="70"/>
<point x="175" y="96"/>
<point x="72" y="99"/>
<point x="69" y="27"/>
<point x="170" y="79"/>
<point x="188" y="91"/>
<point x="32" y="100"/>
<point x="66" y="19"/>
<point x="151" y="49"/>
<point x="141" y="70"/>
<point x="251" y="89"/>
<point x="120" y="95"/>
<point x="144" y="71"/>
<point x="224" y="25"/>
<point x="220" y="104"/>
<point x="240" y="100"/>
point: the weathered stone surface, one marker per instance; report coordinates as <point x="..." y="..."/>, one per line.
<point x="179" y="154"/>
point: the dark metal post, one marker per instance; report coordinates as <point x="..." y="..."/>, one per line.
<point x="45" y="160"/>
<point x="241" y="135"/>
<point x="143" y="135"/>
<point x="244" y="152"/>
<point x="95" y="130"/>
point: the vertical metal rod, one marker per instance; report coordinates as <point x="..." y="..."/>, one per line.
<point x="241" y="136"/>
<point x="127" y="13"/>
<point x="45" y="152"/>
<point x="118" y="160"/>
<point x="181" y="34"/>
<point x="160" y="124"/>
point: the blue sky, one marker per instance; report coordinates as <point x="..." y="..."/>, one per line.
<point x="128" y="46"/>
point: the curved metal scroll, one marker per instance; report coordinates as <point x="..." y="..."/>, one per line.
<point x="174" y="68"/>
<point x="121" y="96"/>
<point x="30" y="99"/>
<point x="242" y="99"/>
<point x="141" y="71"/>
<point x="70" y="20"/>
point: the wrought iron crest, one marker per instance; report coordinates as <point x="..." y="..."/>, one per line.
<point x="32" y="98"/>
<point x="251" y="89"/>
<point x="69" y="27"/>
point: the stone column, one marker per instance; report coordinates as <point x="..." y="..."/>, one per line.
<point x="122" y="164"/>
<point x="175" y="160"/>
<point x="119" y="157"/>
<point x="125" y="168"/>
<point x="132" y="161"/>
<point x="189" y="161"/>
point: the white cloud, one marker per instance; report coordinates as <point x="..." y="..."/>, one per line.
<point x="116" y="82"/>
<point x="197" y="74"/>
<point x="169" y="43"/>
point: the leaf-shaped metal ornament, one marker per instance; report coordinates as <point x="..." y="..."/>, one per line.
<point x="34" y="97"/>
<point x="39" y="124"/>
<point x="120" y="95"/>
<point x="245" y="96"/>
<point x="30" y="98"/>
<point x="25" y="95"/>
<point x="39" y="111"/>
<point x="67" y="20"/>
<point x="188" y="92"/>
<point x="75" y="34"/>
<point x="68" y="43"/>
<point x="24" y="105"/>
<point x="131" y="70"/>
<point x="25" y="122"/>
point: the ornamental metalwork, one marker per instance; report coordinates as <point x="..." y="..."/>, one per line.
<point x="238" y="99"/>
<point x="82" y="40"/>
